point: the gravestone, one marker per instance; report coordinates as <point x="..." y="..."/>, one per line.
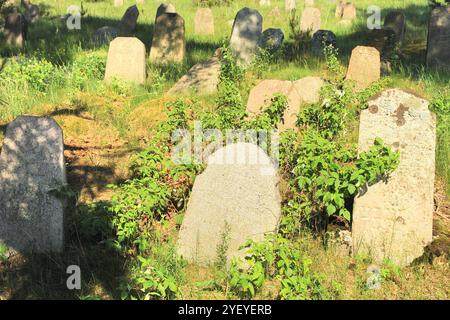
<point x="395" y="20"/>
<point x="32" y="169"/>
<point x="308" y="89"/>
<point x="322" y="39"/>
<point x="261" y="95"/>
<point x="104" y="35"/>
<point x="339" y="10"/>
<point x="246" y="35"/>
<point x="364" y="67"/>
<point x="168" y="43"/>
<point x="290" y="5"/>
<point x="129" y="21"/>
<point x="204" y="22"/>
<point x="126" y="60"/>
<point x="310" y="20"/>
<point x="165" y="8"/>
<point x="272" y="39"/>
<point x="393" y="217"/>
<point x="348" y="11"/>
<point x="15" y="30"/>
<point x="202" y="78"/>
<point x="235" y="199"/>
<point x="438" y="46"/>
<point x="118" y="3"/>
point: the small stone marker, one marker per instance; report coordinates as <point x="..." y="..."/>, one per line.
<point x="339" y="10"/>
<point x="204" y="22"/>
<point x="15" y="30"/>
<point x="438" y="46"/>
<point x="202" y="78"/>
<point x="246" y="35"/>
<point x="290" y="5"/>
<point x="395" y="20"/>
<point x="165" y="8"/>
<point x="168" y="44"/>
<point x="104" y="35"/>
<point x="348" y="11"/>
<point x="310" y="20"/>
<point x="261" y="95"/>
<point x="126" y="60"/>
<point x="236" y="198"/>
<point x="393" y="218"/>
<point x="272" y="39"/>
<point x="129" y="21"/>
<point x="308" y="89"/>
<point x="321" y="39"/>
<point x="364" y="67"/>
<point x="118" y="3"/>
<point x="31" y="167"/>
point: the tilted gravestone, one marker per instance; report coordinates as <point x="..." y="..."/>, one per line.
<point x="168" y="43"/>
<point x="15" y="30"/>
<point x="204" y="22"/>
<point x="393" y="217"/>
<point x="246" y="35"/>
<point x="235" y="199"/>
<point x="32" y="171"/>
<point x="438" y="46"/>
<point x="165" y="8"/>
<point x="126" y="60"/>
<point x="308" y="88"/>
<point x="364" y="67"/>
<point x="395" y="20"/>
<point x="310" y="20"/>
<point x="202" y="78"/>
<point x="272" y="39"/>
<point x="260" y="97"/>
<point x="129" y="21"/>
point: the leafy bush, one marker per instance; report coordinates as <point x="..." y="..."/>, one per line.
<point x="87" y="67"/>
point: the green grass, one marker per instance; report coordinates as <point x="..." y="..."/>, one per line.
<point x="102" y="114"/>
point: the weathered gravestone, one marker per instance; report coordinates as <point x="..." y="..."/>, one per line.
<point x="129" y="21"/>
<point x="260" y="97"/>
<point x="118" y="3"/>
<point x="438" y="46"/>
<point x="204" y="22"/>
<point x="236" y="198"/>
<point x="395" y="20"/>
<point x="104" y="35"/>
<point x="364" y="67"/>
<point x="32" y="169"/>
<point x="393" y="218"/>
<point x="165" y="8"/>
<point x="168" y="43"/>
<point x="31" y="13"/>
<point x="310" y="20"/>
<point x="308" y="89"/>
<point x="272" y="39"/>
<point x="202" y="78"/>
<point x="348" y="11"/>
<point x="126" y="60"/>
<point x="290" y="5"/>
<point x="246" y="34"/>
<point x="322" y="39"/>
<point x="15" y="30"/>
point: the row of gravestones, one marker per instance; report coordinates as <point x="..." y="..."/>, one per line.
<point x="237" y="196"/>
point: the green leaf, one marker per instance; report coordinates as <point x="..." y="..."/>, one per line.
<point x="331" y="209"/>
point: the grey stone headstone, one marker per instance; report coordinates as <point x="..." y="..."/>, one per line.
<point x="246" y="35"/>
<point x="235" y="198"/>
<point x="129" y="21"/>
<point x="32" y="168"/>
<point x="165" y="8"/>
<point x="438" y="46"/>
<point x="104" y="35"/>
<point x="321" y="39"/>
<point x="32" y="13"/>
<point x="393" y="218"/>
<point x="15" y="30"/>
<point x="272" y="39"/>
